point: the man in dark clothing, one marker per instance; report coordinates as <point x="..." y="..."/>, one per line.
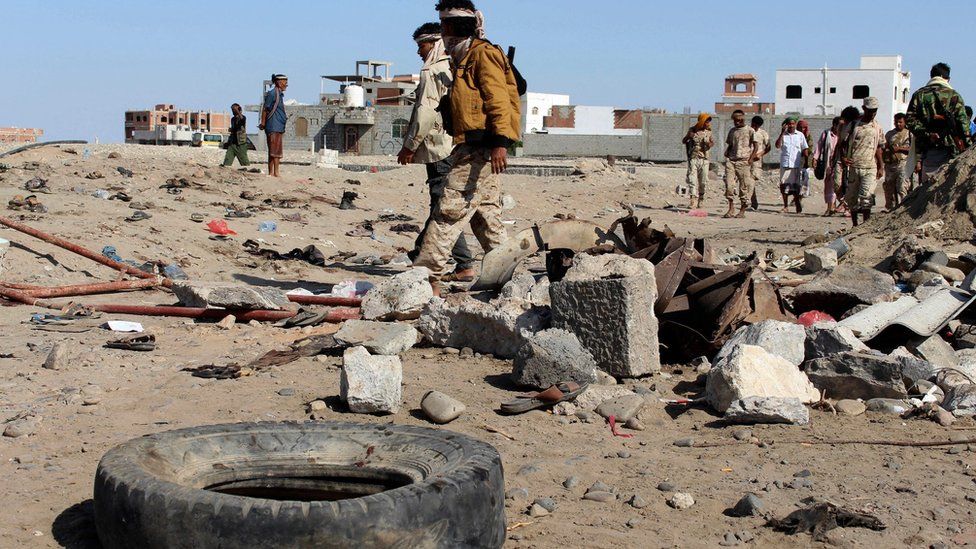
<point x="937" y="118"/>
<point x="237" y="143"/>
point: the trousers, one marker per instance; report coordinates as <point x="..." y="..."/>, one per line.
<point x="437" y="173"/>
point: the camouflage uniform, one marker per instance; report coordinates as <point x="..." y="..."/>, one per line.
<point x="738" y="171"/>
<point x="698" y="163"/>
<point x="937" y="100"/>
<point x="862" y="146"/>
<point x="896" y="182"/>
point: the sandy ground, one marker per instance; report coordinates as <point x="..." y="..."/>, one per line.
<point x="920" y="494"/>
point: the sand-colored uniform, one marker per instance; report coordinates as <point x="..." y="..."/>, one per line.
<point x="896" y="183"/>
<point x="861" y="148"/>
<point x="738" y="171"/>
<point x="698" y="163"/>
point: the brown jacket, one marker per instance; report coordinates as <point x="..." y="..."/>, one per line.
<point x="484" y="97"/>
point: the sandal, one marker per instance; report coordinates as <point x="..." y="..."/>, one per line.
<point x="198" y="218"/>
<point x="235" y="214"/>
<point x="139" y="215"/>
<point x="457" y="276"/>
<point x="560" y="392"/>
<point x="141" y="342"/>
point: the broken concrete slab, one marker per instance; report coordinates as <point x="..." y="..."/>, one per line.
<point x="552" y="356"/>
<point x="401" y="297"/>
<point x="819" y="259"/>
<point x="960" y="392"/>
<point x="370" y="384"/>
<point x="497" y="328"/>
<point x="936" y="351"/>
<point x="857" y="375"/>
<point x="594" y="395"/>
<point x="379" y="338"/>
<point x="221" y="295"/>
<point x="783" y="339"/>
<point x="752" y="410"/>
<point x="608" y="302"/>
<point x="829" y="339"/>
<point x="843" y="287"/>
<point x="623" y="408"/>
<point x="751" y="371"/>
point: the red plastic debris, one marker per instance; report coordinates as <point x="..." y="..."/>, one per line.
<point x="613" y="428"/>
<point x="813" y="317"/>
<point x="698" y="213"/>
<point x="219" y="226"/>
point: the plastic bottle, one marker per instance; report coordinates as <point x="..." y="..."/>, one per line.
<point x="268" y="227"/>
<point x="101" y="193"/>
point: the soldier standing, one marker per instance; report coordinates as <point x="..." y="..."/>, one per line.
<point x="862" y="155"/>
<point x="765" y="145"/>
<point x="937" y="118"/>
<point x="741" y="150"/>
<point x="898" y="145"/>
<point x="698" y="141"/>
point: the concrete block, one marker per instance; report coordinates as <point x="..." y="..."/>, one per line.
<point x="751" y="371"/>
<point x="608" y="302"/>
<point x="379" y="338"/>
<point x="370" y="384"/>
<point x="497" y="328"/>
<point x="551" y="356"/>
<point x="783" y="339"/>
<point x="221" y="295"/>
<point x="401" y="297"/>
<point x="819" y="259"/>
<point x="857" y="375"/>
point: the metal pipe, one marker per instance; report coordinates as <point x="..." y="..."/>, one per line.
<point x="85" y="289"/>
<point x="326" y="300"/>
<point x="84" y="252"/>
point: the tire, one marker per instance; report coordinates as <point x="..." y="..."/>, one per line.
<point x="283" y="484"/>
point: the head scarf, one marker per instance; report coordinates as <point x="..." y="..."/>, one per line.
<point x="702" y="118"/>
<point x="435" y="54"/>
<point x="791" y="119"/>
<point x="804" y="127"/>
<point x="461" y="12"/>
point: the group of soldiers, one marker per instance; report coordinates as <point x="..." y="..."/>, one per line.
<point x="857" y="155"/>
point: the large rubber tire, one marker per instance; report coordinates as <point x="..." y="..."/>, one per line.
<point x="447" y="489"/>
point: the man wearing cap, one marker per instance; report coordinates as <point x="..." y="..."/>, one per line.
<point x="273" y="120"/>
<point x="698" y="141"/>
<point x="485" y="120"/>
<point x="863" y="156"/>
<point x="791" y="145"/>
<point x="427" y="142"/>
<point x="741" y="150"/>
<point x="936" y="116"/>
<point x="765" y="145"/>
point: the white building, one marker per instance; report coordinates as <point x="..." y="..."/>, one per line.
<point x="536" y="106"/>
<point x="592" y="120"/>
<point x="826" y="91"/>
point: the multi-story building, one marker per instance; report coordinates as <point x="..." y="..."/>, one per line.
<point x="378" y="88"/>
<point x="20" y="135"/>
<point x="740" y="94"/>
<point x="537" y="106"/>
<point x="167" y="115"/>
<point x="826" y="91"/>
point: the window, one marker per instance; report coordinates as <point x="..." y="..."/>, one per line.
<point x="162" y="119"/>
<point x="740" y="87"/>
<point x="535" y="111"/>
<point x="301" y="127"/>
<point x="818" y="90"/>
<point x="904" y="95"/>
<point x="400" y="128"/>
<point x="862" y="92"/>
<point x="833" y="90"/>
<point x="794" y="92"/>
<point x="896" y="93"/>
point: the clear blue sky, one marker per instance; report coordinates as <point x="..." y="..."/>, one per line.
<point x="74" y="66"/>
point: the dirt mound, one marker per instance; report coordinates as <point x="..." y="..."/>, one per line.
<point x="951" y="199"/>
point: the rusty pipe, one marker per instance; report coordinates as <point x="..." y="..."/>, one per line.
<point x="85" y="289"/>
<point x="326" y="300"/>
<point x="84" y="252"/>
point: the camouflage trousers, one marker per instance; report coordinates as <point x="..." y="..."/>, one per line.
<point x="738" y="181"/>
<point x="862" y="183"/>
<point x="697" y="178"/>
<point x="895" y="185"/>
<point x="471" y="195"/>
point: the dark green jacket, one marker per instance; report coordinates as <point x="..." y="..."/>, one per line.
<point x="937" y="108"/>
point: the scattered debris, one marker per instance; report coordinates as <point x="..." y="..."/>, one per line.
<point x="820" y="518"/>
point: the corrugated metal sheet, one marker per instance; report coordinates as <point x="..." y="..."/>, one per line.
<point x="924" y="318"/>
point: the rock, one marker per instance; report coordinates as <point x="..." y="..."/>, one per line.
<point x="742" y="435"/>
<point x="751" y="371"/>
<point x="22" y="427"/>
<point x="749" y="506"/>
<point x="57" y="359"/>
<point x="908" y="255"/>
<point x="825" y="340"/>
<point x="603" y="378"/>
<point x="379" y="338"/>
<point x="537" y="511"/>
<point x="370" y="384"/>
<point x="220" y="295"/>
<point x="519" y="287"/>
<point x="888" y="406"/>
<point x="548" y="504"/>
<point x="317" y="406"/>
<point x="729" y="540"/>
<point x="634" y="522"/>
<point x="400" y="297"/>
<point x="857" y="375"/>
<point x="818" y="259"/>
<point x="960" y="399"/>
<point x="594" y="395"/>
<point x="441" y="408"/>
<point x="602" y="497"/>
<point x="551" y="356"/>
<point x="681" y="501"/>
<point x="936" y="351"/>
<point x="623" y="408"/>
<point x="466" y="352"/>
<point x="571" y="482"/>
<point x="286" y="392"/>
<point x="227" y="322"/>
<point x="608" y="301"/>
<point x="850" y="407"/>
<point x="634" y="424"/>
<point x="508" y="202"/>
<point x="922" y="387"/>
<point x="684" y="442"/>
<point x="666" y="487"/>
<point x="517" y="493"/>
<point x="638" y="502"/>
<point x="498" y="328"/>
<point x="623" y="454"/>
<point x="768" y="410"/>
<point x="783" y="339"/>
<point x="843" y="287"/>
